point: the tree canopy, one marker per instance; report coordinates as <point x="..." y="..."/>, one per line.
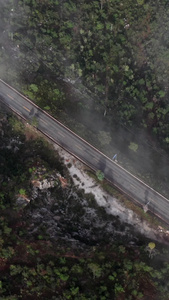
<point x="118" y="49"/>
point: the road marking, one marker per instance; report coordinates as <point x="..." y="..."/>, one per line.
<point x="61" y="133"/>
<point x="150" y="199"/>
<point x="96" y="159"/>
<point x="134" y="187"/>
<point x="10" y="97"/>
<point x="78" y="147"/>
<point x="43" y="121"/>
<point x="26" y="108"/>
<point x="115" y="175"/>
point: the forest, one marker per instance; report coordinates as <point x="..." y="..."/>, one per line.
<point x="117" y="49"/>
<point x="101" y="67"/>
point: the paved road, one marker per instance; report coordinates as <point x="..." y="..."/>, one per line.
<point x="121" y="178"/>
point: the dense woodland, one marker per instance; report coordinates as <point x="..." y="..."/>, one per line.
<point x="117" y="49"/>
<point x="36" y="266"/>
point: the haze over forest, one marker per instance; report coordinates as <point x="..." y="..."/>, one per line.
<point x="99" y="66"/>
<point x="102" y="68"/>
<point x="118" y="49"/>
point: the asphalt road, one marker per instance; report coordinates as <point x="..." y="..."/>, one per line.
<point x="125" y="181"/>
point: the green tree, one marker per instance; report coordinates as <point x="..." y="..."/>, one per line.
<point x="100" y="175"/>
<point x="22" y="192"/>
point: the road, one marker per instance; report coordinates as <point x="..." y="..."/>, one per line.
<point x="122" y="179"/>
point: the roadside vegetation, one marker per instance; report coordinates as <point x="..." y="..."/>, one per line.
<point x="153" y="220"/>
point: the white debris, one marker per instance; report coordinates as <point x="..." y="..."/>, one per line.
<point x="110" y="203"/>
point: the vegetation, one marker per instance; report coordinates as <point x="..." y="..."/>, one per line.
<point x="118" y="49"/>
<point x="100" y="175"/>
<point x="38" y="267"/>
<point x="100" y="58"/>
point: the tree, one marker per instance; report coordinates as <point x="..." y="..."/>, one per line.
<point x="22" y="192"/>
<point x="133" y="146"/>
<point x="100" y="175"/>
<point x="96" y="270"/>
<point x="104" y="138"/>
<point x="151" y="249"/>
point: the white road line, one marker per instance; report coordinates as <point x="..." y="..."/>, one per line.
<point x="132" y="186"/>
<point x="78" y="147"/>
<point x="61" y="133"/>
<point x="96" y="159"/>
<point x="10" y="97"/>
<point x="43" y="121"/>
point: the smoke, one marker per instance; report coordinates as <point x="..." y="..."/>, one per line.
<point x="6" y="12"/>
